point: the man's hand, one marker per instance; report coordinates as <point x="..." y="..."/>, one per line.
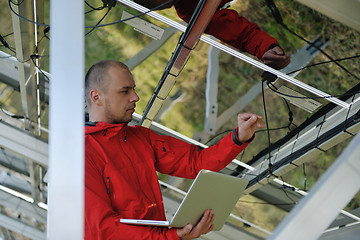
<point x="276" y="58"/>
<point x="204" y="226"/>
<point x="247" y="123"/>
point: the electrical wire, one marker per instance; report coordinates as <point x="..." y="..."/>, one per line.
<point x="12" y="116"/>
<point x="292" y="96"/>
<point x="135" y="16"/>
<point x="321" y="63"/>
<point x="32" y="57"/>
<point x="93" y="8"/>
<point x="267" y="126"/>
<point x="5" y="44"/>
<point x="98" y="22"/>
<point x="305" y="178"/>
<point x="277" y="16"/>
<point x="28" y="20"/>
<point x="218" y="134"/>
<point x="94" y="26"/>
<point x="17" y="4"/>
<point x="322" y="51"/>
<point x="22" y="117"/>
<point x="8" y="35"/>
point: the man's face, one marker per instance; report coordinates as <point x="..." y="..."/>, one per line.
<point x="120" y="96"/>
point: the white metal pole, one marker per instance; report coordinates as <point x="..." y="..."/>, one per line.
<point x="66" y="138"/>
<point x="327" y="198"/>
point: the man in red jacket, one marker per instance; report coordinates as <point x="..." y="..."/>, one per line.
<point x="235" y="30"/>
<point x="121" y="161"/>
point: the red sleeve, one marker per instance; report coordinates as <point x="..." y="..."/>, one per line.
<point x="177" y="158"/>
<point x="228" y="26"/>
<point x="101" y="222"/>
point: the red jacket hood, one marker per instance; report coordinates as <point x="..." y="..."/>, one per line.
<point x="93" y="127"/>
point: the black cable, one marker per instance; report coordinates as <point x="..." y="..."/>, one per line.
<point x="12" y="116"/>
<point x="95" y="26"/>
<point x="291" y="118"/>
<point x="46" y="30"/>
<point x="22" y="117"/>
<point x="32" y="57"/>
<point x="218" y="134"/>
<point x="28" y="20"/>
<point x="292" y="96"/>
<point x="320" y="63"/>
<point x="135" y="16"/>
<point x="323" y="52"/>
<point x="8" y="35"/>
<point x="17" y="4"/>
<point x="98" y="22"/>
<point x="305" y="177"/>
<point x="283" y="187"/>
<point x="93" y="8"/>
<point x="277" y="16"/>
<point x="267" y="126"/>
<point x="2" y="40"/>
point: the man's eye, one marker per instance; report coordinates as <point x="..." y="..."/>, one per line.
<point x="125" y="91"/>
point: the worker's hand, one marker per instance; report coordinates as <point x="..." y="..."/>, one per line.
<point x="247" y="123"/>
<point x="204" y="226"/>
<point x="276" y="58"/>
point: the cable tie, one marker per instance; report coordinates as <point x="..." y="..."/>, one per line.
<point x="4" y="42"/>
<point x="288" y="187"/>
<point x="270" y="169"/>
<point x="268" y="77"/>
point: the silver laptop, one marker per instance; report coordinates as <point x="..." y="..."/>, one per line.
<point x="210" y="190"/>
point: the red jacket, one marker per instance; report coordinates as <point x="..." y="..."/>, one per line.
<point x="229" y="27"/>
<point x="121" y="181"/>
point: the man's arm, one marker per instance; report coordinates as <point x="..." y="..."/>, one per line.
<point x="178" y="158"/>
<point x="237" y="31"/>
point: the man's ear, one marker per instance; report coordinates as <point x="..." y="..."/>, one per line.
<point x="96" y="96"/>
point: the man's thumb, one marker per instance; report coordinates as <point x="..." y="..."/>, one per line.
<point x="188" y="228"/>
<point x="251" y="121"/>
<point x="184" y="231"/>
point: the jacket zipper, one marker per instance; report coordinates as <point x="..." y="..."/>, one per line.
<point x="125" y="133"/>
<point x="108" y="185"/>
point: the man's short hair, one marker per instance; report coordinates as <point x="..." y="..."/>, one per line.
<point x="97" y="74"/>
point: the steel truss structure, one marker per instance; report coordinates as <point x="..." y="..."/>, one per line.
<point x="25" y="157"/>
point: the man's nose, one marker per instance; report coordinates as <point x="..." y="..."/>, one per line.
<point x="134" y="97"/>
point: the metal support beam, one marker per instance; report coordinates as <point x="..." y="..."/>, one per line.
<point x="346" y="11"/>
<point x="212" y="78"/>
<point x="325" y="200"/>
<point x="24" y="207"/>
<point x="197" y="24"/>
<point x="22" y="228"/>
<point x="150" y="48"/>
<point x="237" y="54"/>
<point x="326" y="131"/>
<point x="9" y="72"/>
<point x="35" y="181"/>
<point x="23" y="143"/>
<point x="351" y="232"/>
<point x="298" y="60"/>
<point x="66" y="141"/>
<point x="24" y="43"/>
